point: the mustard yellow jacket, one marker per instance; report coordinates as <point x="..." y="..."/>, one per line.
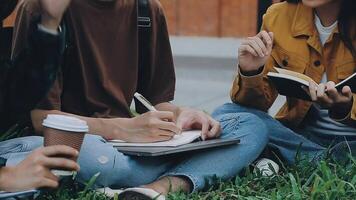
<point x="297" y="47"/>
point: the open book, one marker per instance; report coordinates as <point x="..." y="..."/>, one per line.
<point x="185" y="138"/>
<point x="290" y="83"/>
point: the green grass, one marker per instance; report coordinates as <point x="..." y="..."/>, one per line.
<point x="326" y="180"/>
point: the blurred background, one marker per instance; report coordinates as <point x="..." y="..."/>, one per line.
<point x="205" y="36"/>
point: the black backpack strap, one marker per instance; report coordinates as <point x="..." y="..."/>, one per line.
<point x="144" y="24"/>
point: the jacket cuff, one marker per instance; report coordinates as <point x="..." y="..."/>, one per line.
<point x="251" y="81"/>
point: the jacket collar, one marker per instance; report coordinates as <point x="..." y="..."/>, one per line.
<point x="303" y="21"/>
<point x="303" y="25"/>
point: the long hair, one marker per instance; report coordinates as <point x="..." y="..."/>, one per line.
<point x="346" y="23"/>
<point x="6" y="8"/>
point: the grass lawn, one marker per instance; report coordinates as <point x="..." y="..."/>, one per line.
<point x="325" y="180"/>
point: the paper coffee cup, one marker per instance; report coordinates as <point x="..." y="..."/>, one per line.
<point x="64" y="130"/>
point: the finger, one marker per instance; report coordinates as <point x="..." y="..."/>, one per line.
<point x="215" y="131"/>
<point x="205" y="128"/>
<point x="162" y="138"/>
<point x="271" y="35"/>
<point x="322" y="98"/>
<point x="48" y="183"/>
<point x="256" y="47"/>
<point x="249" y="49"/>
<point x="262" y="45"/>
<point x="346" y="91"/>
<point x="331" y="91"/>
<point x="320" y="92"/>
<point x="164" y="115"/>
<point x="60" y="163"/>
<point x="62" y="150"/>
<point x="164" y="133"/>
<point x="312" y="90"/>
<point x="168" y="126"/>
<point x="49" y="175"/>
<point x="267" y="40"/>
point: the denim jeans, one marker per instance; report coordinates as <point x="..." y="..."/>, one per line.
<point x="16" y="150"/>
<point x="290" y="142"/>
<point x="202" y="168"/>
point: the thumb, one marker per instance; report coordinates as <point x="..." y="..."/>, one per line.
<point x="346" y="91"/>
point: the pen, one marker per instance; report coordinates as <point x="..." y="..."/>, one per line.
<point x="144" y="102"/>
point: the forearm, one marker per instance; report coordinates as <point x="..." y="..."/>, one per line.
<point x="253" y="90"/>
<point x="98" y="126"/>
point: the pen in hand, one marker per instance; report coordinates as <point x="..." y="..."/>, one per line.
<point x="144" y="102"/>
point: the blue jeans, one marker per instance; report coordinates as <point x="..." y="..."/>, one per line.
<point x="202" y="168"/>
<point x="288" y="142"/>
<point x="16" y="150"/>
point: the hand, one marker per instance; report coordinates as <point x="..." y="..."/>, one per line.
<point x="149" y="127"/>
<point x="254" y="51"/>
<point x="52" y="12"/>
<point x="327" y="96"/>
<point x="34" y="172"/>
<point x="189" y="119"/>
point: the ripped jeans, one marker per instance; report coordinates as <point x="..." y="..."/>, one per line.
<point x="16" y="150"/>
<point x="202" y="168"/>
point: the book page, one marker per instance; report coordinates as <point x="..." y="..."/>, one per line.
<point x="295" y="74"/>
<point x="185" y="138"/>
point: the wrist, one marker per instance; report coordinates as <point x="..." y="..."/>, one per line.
<point x="252" y="72"/>
<point x="117" y="128"/>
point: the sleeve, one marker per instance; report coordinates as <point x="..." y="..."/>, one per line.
<point x="256" y="91"/>
<point x="36" y="58"/>
<point x="159" y="85"/>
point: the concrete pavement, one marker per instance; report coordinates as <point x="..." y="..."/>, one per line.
<point x="205" y="69"/>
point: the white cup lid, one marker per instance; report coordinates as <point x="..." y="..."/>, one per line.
<point x="65" y="123"/>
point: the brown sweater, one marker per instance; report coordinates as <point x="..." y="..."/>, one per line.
<point x="100" y="72"/>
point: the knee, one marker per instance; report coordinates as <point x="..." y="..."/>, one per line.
<point x="96" y="157"/>
<point x="228" y="108"/>
<point x="244" y="125"/>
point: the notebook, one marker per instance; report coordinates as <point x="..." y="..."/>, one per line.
<point x="186" y="142"/>
<point x="18" y="195"/>
<point x="290" y="83"/>
<point x="185" y="138"/>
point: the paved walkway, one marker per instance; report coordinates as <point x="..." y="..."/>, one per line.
<point x="205" y="69"/>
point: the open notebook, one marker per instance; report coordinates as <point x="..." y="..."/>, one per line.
<point x="185" y="138"/>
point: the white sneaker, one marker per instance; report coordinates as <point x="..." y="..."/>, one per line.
<point x="264" y="166"/>
<point x="133" y="194"/>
